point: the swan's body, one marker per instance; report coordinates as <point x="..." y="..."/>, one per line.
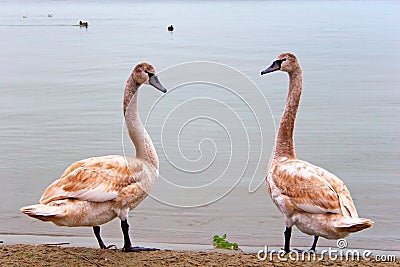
<point x="94" y="191"/>
<point x="311" y="198"/>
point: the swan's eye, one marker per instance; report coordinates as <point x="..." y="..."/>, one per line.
<point x="279" y="62"/>
<point x="149" y="73"/>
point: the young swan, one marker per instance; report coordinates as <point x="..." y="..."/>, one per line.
<point x="311" y="198"/>
<point x="94" y="191"/>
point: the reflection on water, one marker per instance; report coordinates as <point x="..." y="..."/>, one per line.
<point x="61" y="91"/>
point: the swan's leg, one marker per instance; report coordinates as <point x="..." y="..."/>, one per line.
<point x="127" y="241"/>
<point x="314" y="244"/>
<point x="96" y="230"/>
<point x="288" y="233"/>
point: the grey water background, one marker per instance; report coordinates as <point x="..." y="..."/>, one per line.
<point x="61" y="101"/>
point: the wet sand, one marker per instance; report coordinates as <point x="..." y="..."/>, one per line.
<point x="42" y="255"/>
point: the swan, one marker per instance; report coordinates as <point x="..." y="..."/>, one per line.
<point x="310" y="198"/>
<point x="96" y="190"/>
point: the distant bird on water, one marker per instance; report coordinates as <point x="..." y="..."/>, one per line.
<point x="94" y="191"/>
<point x="83" y="24"/>
<point x="171" y="28"/>
<point x="24" y="16"/>
<point x="50" y="15"/>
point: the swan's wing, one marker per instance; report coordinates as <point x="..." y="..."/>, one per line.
<point x="346" y="202"/>
<point x="312" y="189"/>
<point x="95" y="179"/>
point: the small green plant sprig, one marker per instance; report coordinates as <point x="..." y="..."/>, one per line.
<point x="220" y="242"/>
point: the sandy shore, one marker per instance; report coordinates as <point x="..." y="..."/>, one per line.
<point x="42" y="255"/>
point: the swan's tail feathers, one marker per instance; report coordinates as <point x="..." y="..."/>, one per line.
<point x="42" y="212"/>
<point x="351" y="225"/>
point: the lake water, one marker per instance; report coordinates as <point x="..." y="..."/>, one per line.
<point x="61" y="101"/>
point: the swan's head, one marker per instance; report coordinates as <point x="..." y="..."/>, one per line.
<point x="144" y="73"/>
<point x="286" y="62"/>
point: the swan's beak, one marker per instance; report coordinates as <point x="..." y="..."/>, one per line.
<point x="155" y="82"/>
<point x="276" y="65"/>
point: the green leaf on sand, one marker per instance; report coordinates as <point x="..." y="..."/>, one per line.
<point x="220" y="242"/>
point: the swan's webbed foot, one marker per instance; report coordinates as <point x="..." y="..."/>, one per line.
<point x="138" y="249"/>
<point x="127" y="241"/>
<point x="111" y="247"/>
<point x="296" y="250"/>
<point x="96" y="230"/>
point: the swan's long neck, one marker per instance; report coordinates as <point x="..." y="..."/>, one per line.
<point x="284" y="146"/>
<point x="144" y="146"/>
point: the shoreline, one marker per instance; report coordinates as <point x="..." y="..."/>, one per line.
<point x="42" y="255"/>
<point x="39" y="250"/>
<point x="90" y="242"/>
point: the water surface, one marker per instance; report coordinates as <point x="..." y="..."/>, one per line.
<point x="61" y="89"/>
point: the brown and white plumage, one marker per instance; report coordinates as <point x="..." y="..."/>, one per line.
<point x="94" y="191"/>
<point x="311" y="198"/>
<point x="122" y="181"/>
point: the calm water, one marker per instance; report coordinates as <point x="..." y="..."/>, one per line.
<point x="61" y="89"/>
